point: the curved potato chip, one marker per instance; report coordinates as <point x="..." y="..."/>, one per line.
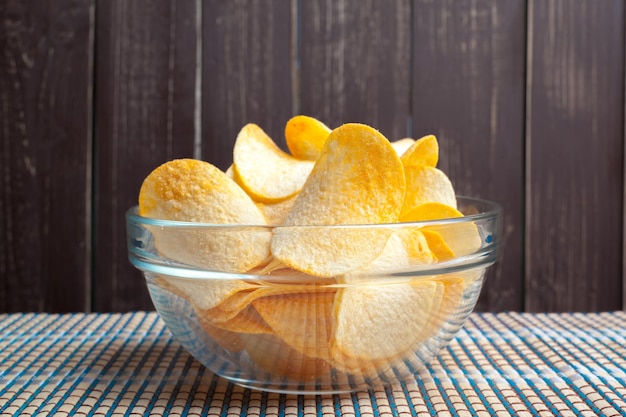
<point x="204" y="294"/>
<point x="426" y="184"/>
<point x="405" y="249"/>
<point x="263" y="170"/>
<point x="276" y="213"/>
<point x="276" y="357"/>
<point x="247" y="320"/>
<point x="401" y="145"/>
<point x="462" y="238"/>
<point x="196" y="191"/>
<point x="207" y="295"/>
<point x="305" y="137"/>
<point x="276" y="272"/>
<point x="230" y="172"/>
<point x="376" y="325"/>
<point x="425" y="151"/>
<point x="224" y="338"/>
<point x="452" y="297"/>
<point x="432" y="210"/>
<point x="416" y="246"/>
<point x="302" y="320"/>
<point x="438" y="245"/>
<point x="358" y="179"/>
<point x="238" y="301"/>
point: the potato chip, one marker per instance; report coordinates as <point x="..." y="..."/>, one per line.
<point x="358" y="179"/>
<point x="445" y="302"/>
<point x="276" y="213"/>
<point x="378" y="324"/>
<point x="431" y="210"/>
<point x="263" y="170"/>
<point x="226" y="339"/>
<point x="230" y="172"/>
<point x="275" y="356"/>
<point x="401" y="145"/>
<point x="276" y="272"/>
<point x="236" y="313"/>
<point x="452" y="297"/>
<point x="234" y="304"/>
<point x="196" y="191"/>
<point x="205" y="294"/>
<point x="425" y="151"/>
<point x="461" y="238"/>
<point x="416" y="246"/>
<point x="303" y="320"/>
<point x="305" y="137"/>
<point x="405" y="249"/>
<point x="426" y="184"/>
<point x="246" y="320"/>
<point x="438" y="245"/>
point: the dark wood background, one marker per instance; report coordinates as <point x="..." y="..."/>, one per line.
<point x="526" y="98"/>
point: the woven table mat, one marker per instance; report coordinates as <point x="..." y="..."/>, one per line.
<point x="128" y="364"/>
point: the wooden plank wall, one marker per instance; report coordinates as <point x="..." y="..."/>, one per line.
<point x="526" y="98"/>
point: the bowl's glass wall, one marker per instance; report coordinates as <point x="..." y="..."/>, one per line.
<point x="263" y="361"/>
<point x="286" y="331"/>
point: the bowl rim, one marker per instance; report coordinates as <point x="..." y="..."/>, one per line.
<point x="493" y="210"/>
<point x="149" y="263"/>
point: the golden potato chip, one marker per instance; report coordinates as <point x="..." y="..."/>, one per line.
<point x="405" y="249"/>
<point x="461" y="238"/>
<point x="425" y="151"/>
<point x="206" y="294"/>
<point x="276" y="357"/>
<point x="275" y="272"/>
<point x="358" y="179"/>
<point x="224" y="338"/>
<point x="276" y="213"/>
<point x="222" y="305"/>
<point x="431" y="210"/>
<point x="303" y="320"/>
<point x="246" y="320"/>
<point x="305" y="137"/>
<point x="376" y="325"/>
<point x="195" y="191"/>
<point x="452" y="297"/>
<point x="416" y="246"/>
<point x="426" y="184"/>
<point x="263" y="170"/>
<point x="438" y="245"/>
<point x="235" y="313"/>
<point x="471" y="276"/>
<point x="234" y="304"/>
<point x="230" y="172"/>
<point x="445" y="302"/>
<point x="401" y="145"/>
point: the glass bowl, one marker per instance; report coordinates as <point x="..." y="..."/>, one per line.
<point x="278" y="329"/>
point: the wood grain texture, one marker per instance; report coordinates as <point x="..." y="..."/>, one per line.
<point x="526" y="98"/>
<point x="144" y="117"/>
<point x="468" y="78"/>
<point x="45" y="139"/>
<point x="575" y="148"/>
<point x="354" y="61"/>
<point x="246" y="72"/>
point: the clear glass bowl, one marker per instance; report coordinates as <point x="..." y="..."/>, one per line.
<point x="277" y="329"/>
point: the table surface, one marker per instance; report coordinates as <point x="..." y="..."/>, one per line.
<point x="128" y="364"/>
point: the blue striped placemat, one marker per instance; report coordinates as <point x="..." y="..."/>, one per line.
<point x="128" y="365"/>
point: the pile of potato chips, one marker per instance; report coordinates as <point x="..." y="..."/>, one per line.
<point x="322" y="228"/>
